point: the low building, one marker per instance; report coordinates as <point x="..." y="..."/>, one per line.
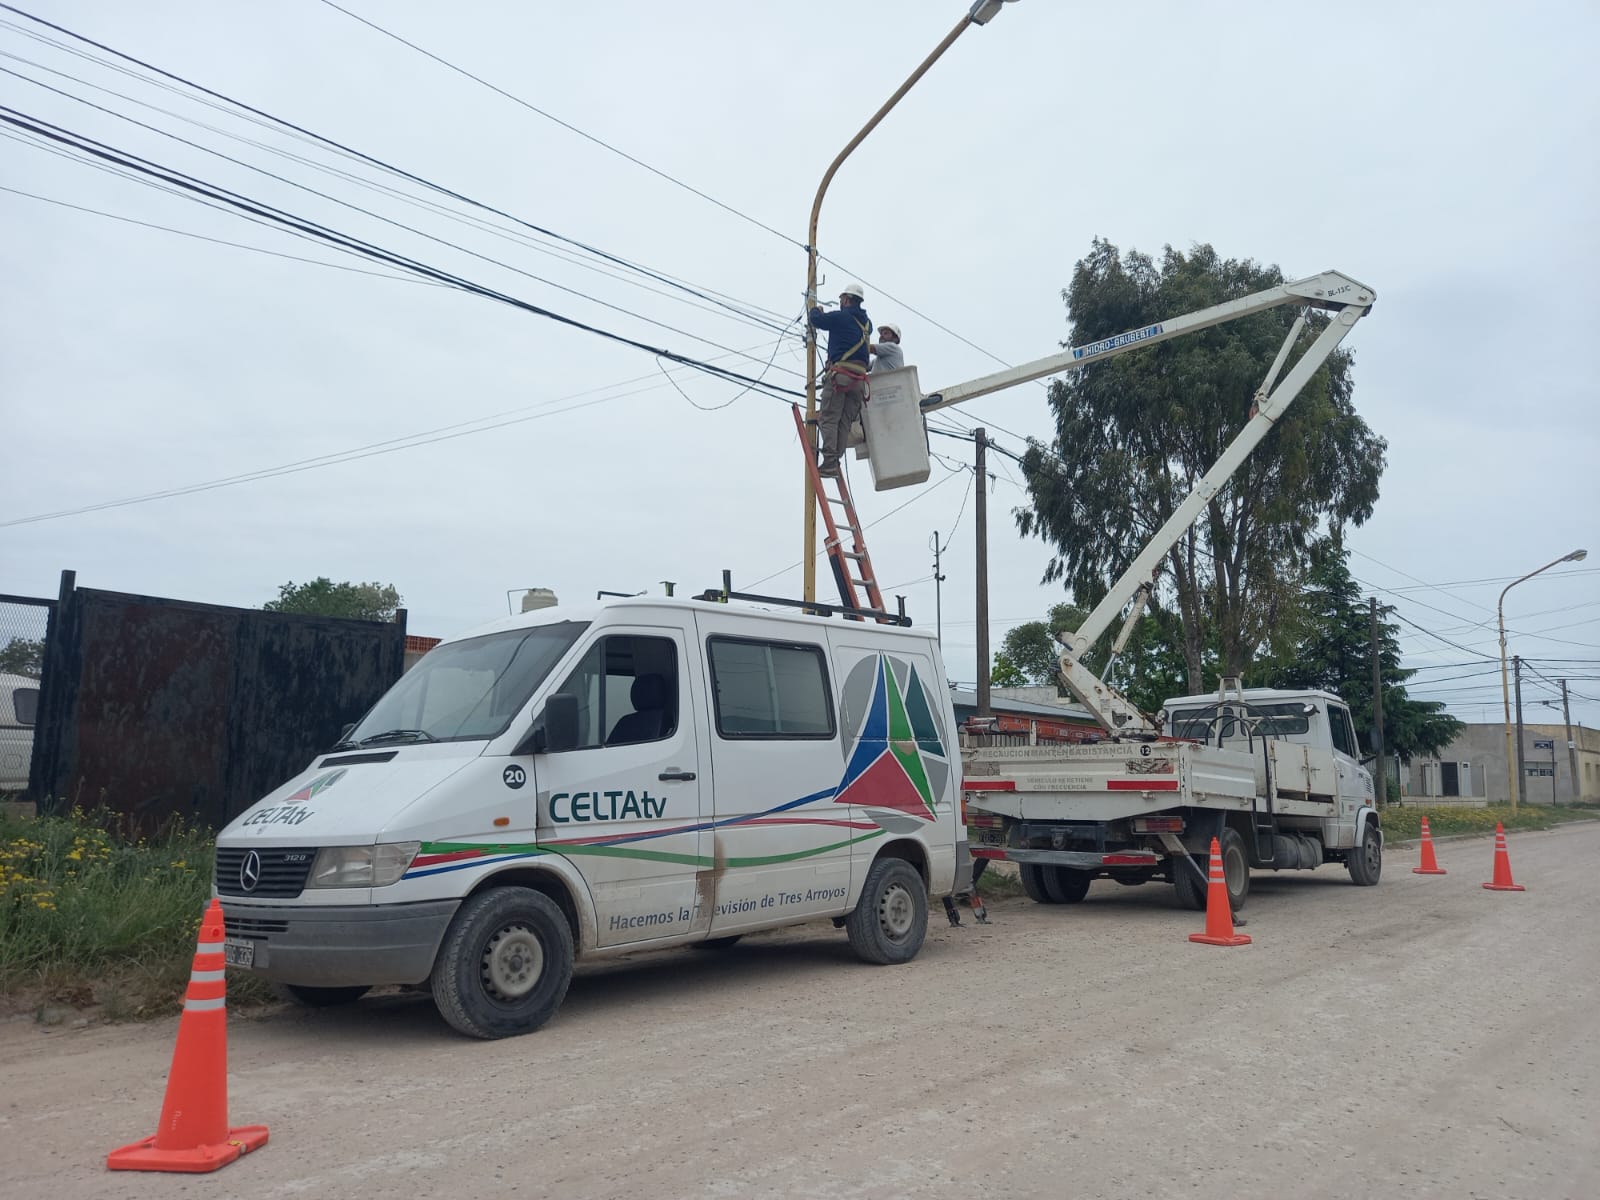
<point x="1035" y="714"/>
<point x="1472" y="769"/>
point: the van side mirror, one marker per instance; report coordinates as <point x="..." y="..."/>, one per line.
<point x="556" y="730"/>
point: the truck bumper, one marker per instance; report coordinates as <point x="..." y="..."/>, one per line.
<point x="337" y="946"/>
<point x="1080" y="860"/>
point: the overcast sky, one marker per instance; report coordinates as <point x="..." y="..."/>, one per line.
<point x="1445" y="154"/>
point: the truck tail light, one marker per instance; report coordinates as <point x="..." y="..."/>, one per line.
<point x="1158" y="824"/>
<point x="1131" y="858"/>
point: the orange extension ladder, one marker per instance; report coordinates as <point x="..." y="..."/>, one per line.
<point x="852" y="568"/>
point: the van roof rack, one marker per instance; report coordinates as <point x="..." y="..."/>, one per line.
<point x="725" y="593"/>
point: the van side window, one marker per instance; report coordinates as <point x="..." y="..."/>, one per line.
<point x="26" y="702"/>
<point x="770" y="689"/>
<point x="1339" y="723"/>
<point x="627" y="690"/>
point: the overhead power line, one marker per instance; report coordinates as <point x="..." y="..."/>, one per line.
<point x="744" y="216"/>
<point x="100" y="150"/>
<point x="484" y="424"/>
<point x="357" y="154"/>
<point x="548" y="244"/>
<point x="375" y="216"/>
<point x="316" y="262"/>
<point x="638" y="162"/>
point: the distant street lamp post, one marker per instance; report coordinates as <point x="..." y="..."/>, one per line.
<point x="1505" y="687"/>
<point x="981" y="13"/>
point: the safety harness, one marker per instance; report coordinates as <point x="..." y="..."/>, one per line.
<point x="855" y="370"/>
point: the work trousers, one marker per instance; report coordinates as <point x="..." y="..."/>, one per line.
<point x="843" y="394"/>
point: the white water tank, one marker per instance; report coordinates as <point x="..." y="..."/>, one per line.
<point x="538" y="598"/>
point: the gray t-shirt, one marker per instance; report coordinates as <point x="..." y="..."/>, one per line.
<point x="889" y="357"/>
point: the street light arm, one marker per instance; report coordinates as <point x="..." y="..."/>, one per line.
<point x="1575" y="556"/>
<point x="1505" y="687"/>
<point x="981" y="12"/>
<point x="833" y="167"/>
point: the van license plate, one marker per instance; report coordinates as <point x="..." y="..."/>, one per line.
<point x="239" y="952"/>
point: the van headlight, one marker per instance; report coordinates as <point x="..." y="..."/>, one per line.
<point x="362" y="866"/>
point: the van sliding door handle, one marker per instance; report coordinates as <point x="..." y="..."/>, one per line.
<point x="673" y="773"/>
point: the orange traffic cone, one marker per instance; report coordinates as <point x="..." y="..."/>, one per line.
<point x="193" y="1135"/>
<point x="1502" y="864"/>
<point x="1430" y="865"/>
<point x="1219" y="913"/>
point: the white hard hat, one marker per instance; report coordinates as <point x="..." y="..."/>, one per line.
<point x="894" y="329"/>
<point x="853" y="289"/>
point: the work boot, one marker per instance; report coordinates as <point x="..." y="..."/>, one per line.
<point x="828" y="470"/>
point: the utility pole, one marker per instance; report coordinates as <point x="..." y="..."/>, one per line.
<point x="1572" y="746"/>
<point x="980" y="436"/>
<point x="1377" y="703"/>
<point x="938" y="592"/>
<point x="1521" y="794"/>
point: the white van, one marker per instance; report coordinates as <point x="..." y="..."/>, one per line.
<point x="584" y="782"/>
<point x="19" y="711"/>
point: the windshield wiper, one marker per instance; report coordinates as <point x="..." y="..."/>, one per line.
<point x="399" y="735"/>
<point x="347" y="744"/>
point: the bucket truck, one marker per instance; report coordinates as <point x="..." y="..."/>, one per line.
<point x="1273" y="775"/>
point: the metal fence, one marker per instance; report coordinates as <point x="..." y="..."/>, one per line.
<point x="156" y="708"/>
<point x="24" y="628"/>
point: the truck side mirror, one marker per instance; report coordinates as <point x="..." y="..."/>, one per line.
<point x="555" y="731"/>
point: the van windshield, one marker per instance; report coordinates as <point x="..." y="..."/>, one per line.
<point x="468" y="690"/>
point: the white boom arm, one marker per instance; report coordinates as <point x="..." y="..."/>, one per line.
<point x="1349" y="301"/>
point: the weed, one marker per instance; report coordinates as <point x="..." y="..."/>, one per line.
<point x="91" y="914"/>
<point x="1406" y="821"/>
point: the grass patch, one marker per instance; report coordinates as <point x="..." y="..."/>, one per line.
<point x="1000" y="879"/>
<point x="1406" y="821"/>
<point x="93" y="918"/>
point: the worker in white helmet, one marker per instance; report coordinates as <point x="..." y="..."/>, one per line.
<point x="886" y="352"/>
<point x="844" y="377"/>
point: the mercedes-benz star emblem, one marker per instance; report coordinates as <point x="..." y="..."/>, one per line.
<point x="250" y="871"/>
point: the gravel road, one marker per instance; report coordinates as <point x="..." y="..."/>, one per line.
<point x="1424" y="1038"/>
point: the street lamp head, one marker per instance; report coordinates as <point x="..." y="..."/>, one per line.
<point x="984" y="11"/>
<point x="1576" y="556"/>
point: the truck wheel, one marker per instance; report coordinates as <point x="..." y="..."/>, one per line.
<point x="505" y="963"/>
<point x="1366" y="860"/>
<point x="1065" y="885"/>
<point x="891" y="919"/>
<point x="1191" y="888"/>
<point x="320" y="997"/>
<point x="1033" y="883"/>
<point x="1235" y="868"/>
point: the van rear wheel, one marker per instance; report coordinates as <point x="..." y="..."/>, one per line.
<point x="505" y="963"/>
<point x="890" y="920"/>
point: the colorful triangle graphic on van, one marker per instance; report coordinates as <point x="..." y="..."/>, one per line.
<point x="885" y="768"/>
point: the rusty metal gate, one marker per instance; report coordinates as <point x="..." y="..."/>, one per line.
<point x="157" y="708"/>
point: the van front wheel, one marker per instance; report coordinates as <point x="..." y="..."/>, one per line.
<point x="505" y="963"/>
<point x="891" y="918"/>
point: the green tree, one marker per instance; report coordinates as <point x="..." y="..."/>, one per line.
<point x="1135" y="433"/>
<point x="324" y="598"/>
<point x="1149" y="671"/>
<point x="23" y="656"/>
<point x="1333" y="651"/>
